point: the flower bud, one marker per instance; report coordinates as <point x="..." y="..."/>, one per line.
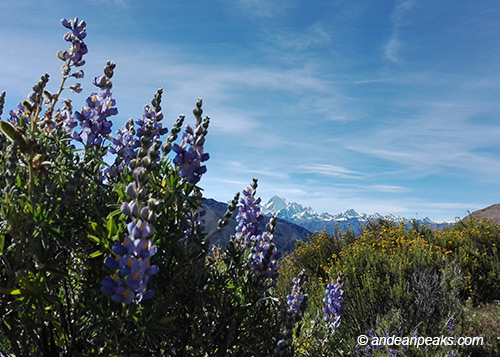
<point x="79" y="74"/>
<point x="65" y="69"/>
<point x="166" y="147"/>
<point x="145" y="212"/>
<point x="131" y="190"/>
<point x="125" y="209"/>
<point x="145" y="161"/>
<point x="140" y="174"/>
<point x="2" y="102"/>
<point x="152" y="204"/>
<point x="197" y="112"/>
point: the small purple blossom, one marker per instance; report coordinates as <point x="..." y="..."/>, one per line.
<point x="334" y="303"/>
<point x="296" y="297"/>
<point x="451" y="324"/>
<point x="153" y="118"/>
<point x="190" y="155"/>
<point x="19" y="116"/>
<point x="369" y="350"/>
<point x="265" y="257"/>
<point x="123" y="148"/>
<point x="248" y="216"/>
<point x="94" y="116"/>
<point x="76" y="35"/>
<point x="194" y="223"/>
<point x="392" y="352"/>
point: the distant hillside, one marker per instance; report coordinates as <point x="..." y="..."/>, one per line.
<point x="491" y="212"/>
<point x="285" y="236"/>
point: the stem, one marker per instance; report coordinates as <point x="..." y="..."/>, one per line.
<point x="56" y="97"/>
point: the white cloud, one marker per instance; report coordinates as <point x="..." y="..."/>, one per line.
<point x="388" y="188"/>
<point x="393" y="45"/>
<point x="263" y="9"/>
<point x="329" y="170"/>
<point x="315" y="36"/>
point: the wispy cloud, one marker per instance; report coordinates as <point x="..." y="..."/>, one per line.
<point x="263" y="9"/>
<point x="329" y="170"/>
<point x="315" y="36"/>
<point x="393" y="45"/>
<point x="442" y="135"/>
<point x="388" y="188"/>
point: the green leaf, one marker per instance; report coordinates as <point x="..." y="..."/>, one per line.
<point x="94" y="238"/>
<point x="95" y="254"/>
<point x="14" y="135"/>
<point x="2" y="243"/>
<point x="111" y="227"/>
<point x="114" y="213"/>
<point x="7" y="324"/>
<point x="165" y="320"/>
<point x="15" y="292"/>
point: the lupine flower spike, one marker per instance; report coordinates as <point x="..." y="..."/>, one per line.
<point x="265" y="255"/>
<point x="131" y="261"/>
<point x="190" y="153"/>
<point x="99" y="107"/>
<point x="295" y="299"/>
<point x="334" y="302"/>
<point x="248" y="216"/>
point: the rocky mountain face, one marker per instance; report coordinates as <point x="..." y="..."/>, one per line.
<point x="491" y="212"/>
<point x="313" y="221"/>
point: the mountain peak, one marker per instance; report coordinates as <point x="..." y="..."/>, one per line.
<point x="351" y="213"/>
<point x="275" y="204"/>
<point x="312" y="221"/>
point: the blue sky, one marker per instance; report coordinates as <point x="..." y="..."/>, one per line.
<point x="381" y="106"/>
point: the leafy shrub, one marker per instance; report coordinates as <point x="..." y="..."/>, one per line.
<point x="407" y="280"/>
<point x="111" y="258"/>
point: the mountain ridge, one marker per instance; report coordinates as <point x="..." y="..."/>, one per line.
<point x="350" y="219"/>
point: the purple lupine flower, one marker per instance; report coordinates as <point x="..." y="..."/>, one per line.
<point x="123" y="149"/>
<point x="193" y="223"/>
<point x="334" y="303"/>
<point x="369" y="350"/>
<point x="75" y="36"/>
<point x="295" y="298"/>
<point x="94" y="116"/>
<point x="19" y="116"/>
<point x="132" y="257"/>
<point x="114" y="288"/>
<point x="451" y="324"/>
<point x="190" y="155"/>
<point x="265" y="257"/>
<point x="392" y="352"/>
<point x="248" y="216"/>
<point x="64" y="118"/>
<point x="153" y="118"/>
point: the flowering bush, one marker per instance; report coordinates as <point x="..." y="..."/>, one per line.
<point x="415" y="280"/>
<point x="112" y="258"/>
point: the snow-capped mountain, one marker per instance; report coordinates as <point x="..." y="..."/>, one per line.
<point x="313" y="221"/>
